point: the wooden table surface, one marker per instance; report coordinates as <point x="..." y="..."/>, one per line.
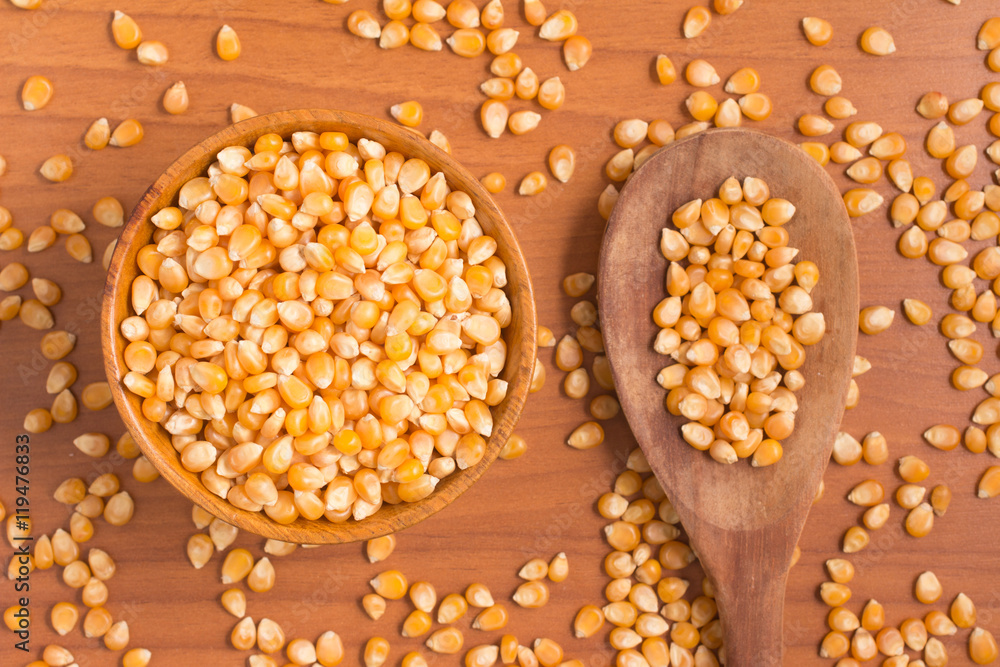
<point x="301" y="56"/>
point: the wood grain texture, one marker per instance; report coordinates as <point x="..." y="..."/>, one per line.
<point x="743" y="522"/>
<point x="155" y="441"/>
<point x="299" y="56"/>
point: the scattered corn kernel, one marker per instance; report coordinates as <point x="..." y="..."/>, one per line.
<point x="175" y="99"/>
<point x="818" y="31"/>
<point x="877" y="41"/>
<point x="227" y="43"/>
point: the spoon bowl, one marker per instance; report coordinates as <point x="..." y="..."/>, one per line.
<point x="743" y="522"/>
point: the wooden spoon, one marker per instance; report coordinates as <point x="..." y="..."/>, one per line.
<point x="743" y="522"/>
<point x="154" y="440"/>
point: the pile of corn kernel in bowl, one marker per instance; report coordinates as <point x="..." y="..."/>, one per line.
<point x="342" y="430"/>
<point x="652" y="610"/>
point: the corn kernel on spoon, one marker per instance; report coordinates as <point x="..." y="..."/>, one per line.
<point x="743" y="522"/>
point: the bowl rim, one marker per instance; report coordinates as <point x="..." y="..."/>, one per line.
<point x="302" y="530"/>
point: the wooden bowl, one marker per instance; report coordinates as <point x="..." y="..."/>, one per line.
<point x="155" y="441"/>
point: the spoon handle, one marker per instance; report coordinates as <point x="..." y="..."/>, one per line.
<point x="750" y="569"/>
<point x="753" y="619"/>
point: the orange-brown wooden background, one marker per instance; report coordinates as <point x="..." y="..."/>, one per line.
<point x="298" y="54"/>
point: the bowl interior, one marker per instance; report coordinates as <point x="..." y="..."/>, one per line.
<point x="155" y="441"/>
